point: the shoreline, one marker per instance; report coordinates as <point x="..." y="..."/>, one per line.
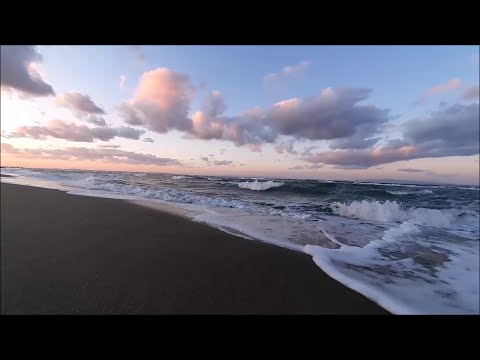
<point x="90" y="255"/>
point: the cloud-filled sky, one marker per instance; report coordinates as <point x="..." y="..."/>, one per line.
<point x="328" y="112"/>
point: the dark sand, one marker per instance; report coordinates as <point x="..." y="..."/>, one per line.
<point x="66" y="254"/>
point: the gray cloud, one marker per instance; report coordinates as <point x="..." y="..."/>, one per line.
<point x="333" y="114"/>
<point x="452" y="131"/>
<point x="308" y="150"/>
<point x="109" y="146"/>
<point x="137" y="51"/>
<point x="73" y="132"/>
<point x="348" y="167"/>
<point x="287" y="73"/>
<point x="96" y="120"/>
<point x="314" y="166"/>
<point x="106" y="155"/>
<point x="204" y="158"/>
<point x="427" y="172"/>
<point x="411" y="170"/>
<point x="282" y="147"/>
<point x="472" y="93"/>
<point x="222" y="162"/>
<point x="298" y="167"/>
<point x="215" y="104"/>
<point x="17" y="70"/>
<point x="80" y="103"/>
<point x="150" y="140"/>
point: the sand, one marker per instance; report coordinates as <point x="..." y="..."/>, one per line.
<point x="67" y="254"/>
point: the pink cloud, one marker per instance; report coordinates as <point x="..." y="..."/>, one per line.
<point x="452" y="84"/>
<point x="72" y="132"/>
<point x="161" y="101"/>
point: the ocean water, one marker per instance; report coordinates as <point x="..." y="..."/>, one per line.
<point x="413" y="249"/>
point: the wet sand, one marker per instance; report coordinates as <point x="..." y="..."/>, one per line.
<point x="67" y="254"/>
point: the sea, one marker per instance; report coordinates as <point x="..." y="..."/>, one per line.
<point x="411" y="248"/>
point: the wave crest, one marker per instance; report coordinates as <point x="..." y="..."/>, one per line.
<point x="258" y="185"/>
<point x="391" y="211"/>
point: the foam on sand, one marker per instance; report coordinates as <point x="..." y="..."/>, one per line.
<point x="443" y="279"/>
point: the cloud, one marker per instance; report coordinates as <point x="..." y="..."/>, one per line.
<point x="411" y="170"/>
<point x="287" y="73"/>
<point x="452" y="84"/>
<point x="163" y="97"/>
<point x="215" y="104"/>
<point x="472" y="93"/>
<point x="137" y="51"/>
<point x="348" y="167"/>
<point x="451" y="131"/>
<point x="96" y="120"/>
<point x="105" y="155"/>
<point x="18" y="71"/>
<point x="222" y="162"/>
<point x="298" y="167"/>
<point x="308" y="150"/>
<point x="241" y="164"/>
<point x="123" y="78"/>
<point x="161" y="102"/>
<point x="147" y="139"/>
<point x="80" y="103"/>
<point x="108" y="146"/>
<point x="204" y="158"/>
<point x="427" y="172"/>
<point x="72" y="132"/>
<point x="128" y="132"/>
<point x="314" y="166"/>
<point x="333" y="114"/>
<point x="282" y="147"/>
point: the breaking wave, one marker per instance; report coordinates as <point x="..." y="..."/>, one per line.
<point x="391" y="211"/>
<point x="258" y="185"/>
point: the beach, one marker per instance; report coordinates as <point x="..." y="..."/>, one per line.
<point x="68" y="254"/>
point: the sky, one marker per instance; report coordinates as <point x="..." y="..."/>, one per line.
<point x="320" y="112"/>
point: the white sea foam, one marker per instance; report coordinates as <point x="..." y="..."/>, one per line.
<point x="424" y="192"/>
<point x="399" y="185"/>
<point x="258" y="185"/>
<point x="391" y="211"/>
<point x="427" y="277"/>
<point x="179" y="177"/>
